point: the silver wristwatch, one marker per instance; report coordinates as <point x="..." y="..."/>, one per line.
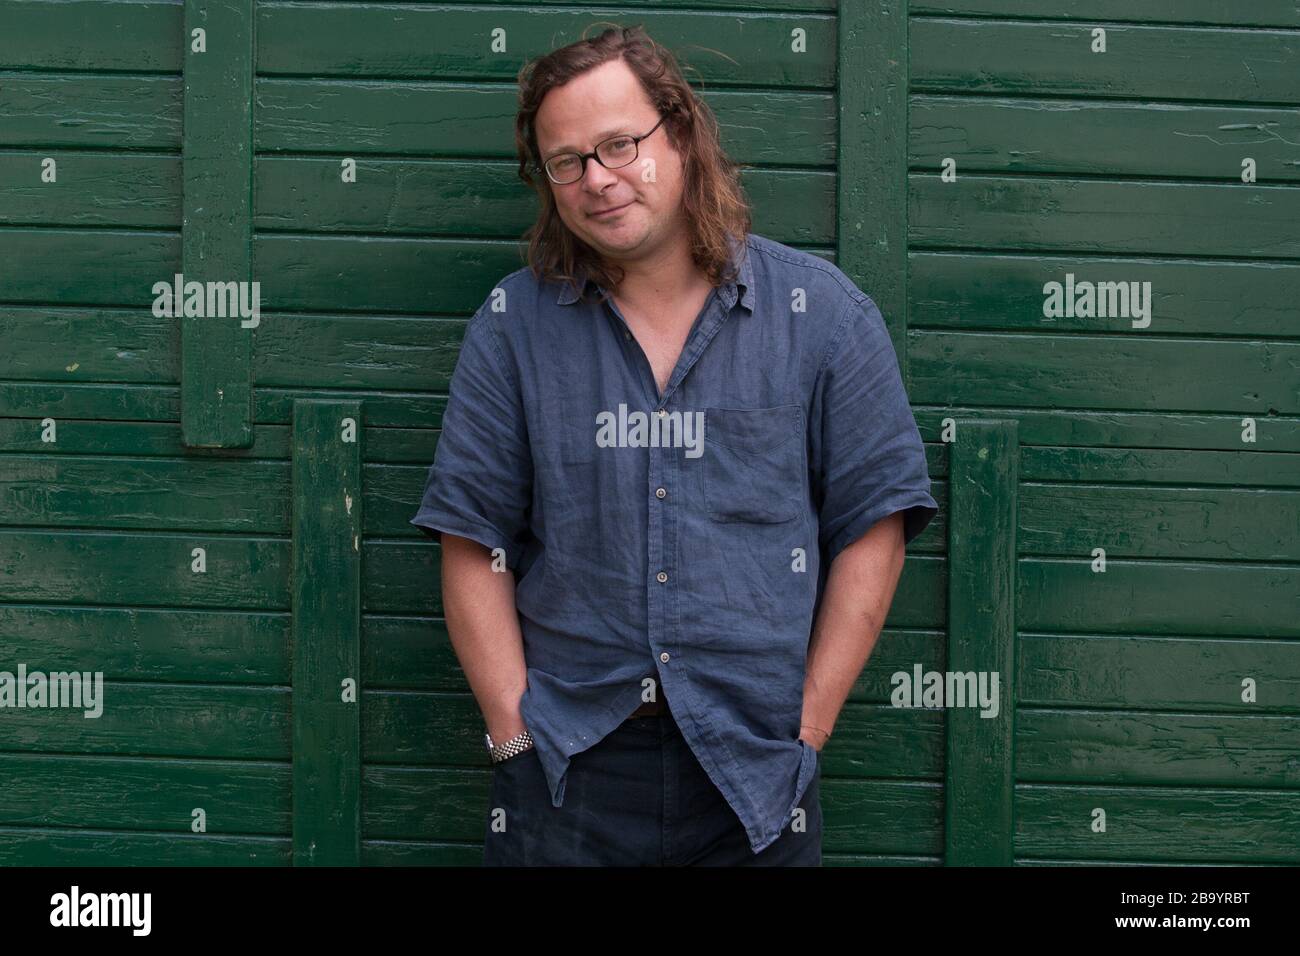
<point x="515" y="745"/>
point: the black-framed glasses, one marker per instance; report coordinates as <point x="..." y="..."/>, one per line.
<point x="613" y="153"/>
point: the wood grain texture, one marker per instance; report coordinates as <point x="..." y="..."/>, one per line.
<point x="326" y="614"/>
<point x="982" y="544"/>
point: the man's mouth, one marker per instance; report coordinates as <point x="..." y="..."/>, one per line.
<point x="608" y="212"/>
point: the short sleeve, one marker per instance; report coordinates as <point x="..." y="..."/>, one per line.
<point x="867" y="458"/>
<point x="480" y="484"/>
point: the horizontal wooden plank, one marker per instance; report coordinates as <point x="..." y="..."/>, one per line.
<point x="476" y="120"/>
<point x="36" y="400"/>
<point x="1149" y="672"/>
<point x="1122" y="429"/>
<point x="86" y="266"/>
<point x="416" y="853"/>
<point x="120" y="112"/>
<point x="42" y="846"/>
<point x="162" y="439"/>
<point x="486" y="198"/>
<point x="114" y="793"/>
<point x="147" y="494"/>
<point x="144" y="569"/>
<point x="1136" y="521"/>
<point x="1137" y="372"/>
<point x="405" y="354"/>
<point x="139" y="36"/>
<point x="1096" y="216"/>
<point x="1161" y="62"/>
<point x="1158" y="598"/>
<point x="1274" y="13"/>
<point x="1102" y="138"/>
<point x="1206" y="825"/>
<point x="1189" y="297"/>
<point x="92" y="189"/>
<point x="161" y="720"/>
<point x="1241" y="469"/>
<point x="97" y="345"/>
<point x="144" y="644"/>
<point x="459" y="41"/>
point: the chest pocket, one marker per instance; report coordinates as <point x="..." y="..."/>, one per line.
<point x="754" y="463"/>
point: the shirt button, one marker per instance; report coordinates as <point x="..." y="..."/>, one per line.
<point x="627" y="335"/>
<point x="660" y="493"/>
<point x="664" y="657"/>
<point x="662" y="413"/>
<point x="661" y="577"/>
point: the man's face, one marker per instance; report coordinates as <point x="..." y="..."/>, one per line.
<point x="604" y="102"/>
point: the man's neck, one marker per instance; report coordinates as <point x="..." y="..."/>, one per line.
<point x="657" y="288"/>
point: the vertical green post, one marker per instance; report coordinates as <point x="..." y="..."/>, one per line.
<point x="217" y="223"/>
<point x="327" y="458"/>
<point x="984" y="465"/>
<point x="871" y="185"/>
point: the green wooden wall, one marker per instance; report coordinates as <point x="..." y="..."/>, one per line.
<point x="299" y="696"/>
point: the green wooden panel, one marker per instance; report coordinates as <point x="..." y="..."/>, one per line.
<point x="1138" y="521"/>
<point x="1189" y="297"/>
<point x="62" y="847"/>
<point x="146" y="494"/>
<point x="327" y="509"/>
<point x="1089" y="746"/>
<point x="1160" y="465"/>
<point x="1151" y="672"/>
<point x="132" y="794"/>
<point x="1211" y="825"/>
<point x="137" y="112"/>
<point x="457" y="41"/>
<point x="1280" y="13"/>
<point x="161" y="439"/>
<point x="1102" y="138"/>
<point x="1256" y="378"/>
<point x="1165" y="62"/>
<point x="216" y="379"/>
<point x="138" y="36"/>
<point x="1127" y="429"/>
<point x="872" y="208"/>
<point x="159" y="644"/>
<point x="86" y="266"/>
<point x="476" y="120"/>
<point x="106" y="345"/>
<point x="978" y="770"/>
<point x="145" y="569"/>
<point x="163" y="720"/>
<point x="1086" y="215"/>
<point x="92" y="189"/>
<point x="1159" y="597"/>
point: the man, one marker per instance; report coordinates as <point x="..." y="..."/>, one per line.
<point x="672" y="452"/>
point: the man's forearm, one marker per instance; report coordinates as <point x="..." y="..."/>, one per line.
<point x="859" y="590"/>
<point x="479" y="605"/>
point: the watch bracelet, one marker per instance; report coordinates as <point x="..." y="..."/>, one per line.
<point x="512" y="747"/>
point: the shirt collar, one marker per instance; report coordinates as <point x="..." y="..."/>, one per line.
<point x="728" y="291"/>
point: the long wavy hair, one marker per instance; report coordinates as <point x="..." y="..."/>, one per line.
<point x="714" y="204"/>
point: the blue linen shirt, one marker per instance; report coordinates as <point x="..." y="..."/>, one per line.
<point x="699" y="564"/>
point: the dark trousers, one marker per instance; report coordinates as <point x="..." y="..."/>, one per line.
<point x="637" y="798"/>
